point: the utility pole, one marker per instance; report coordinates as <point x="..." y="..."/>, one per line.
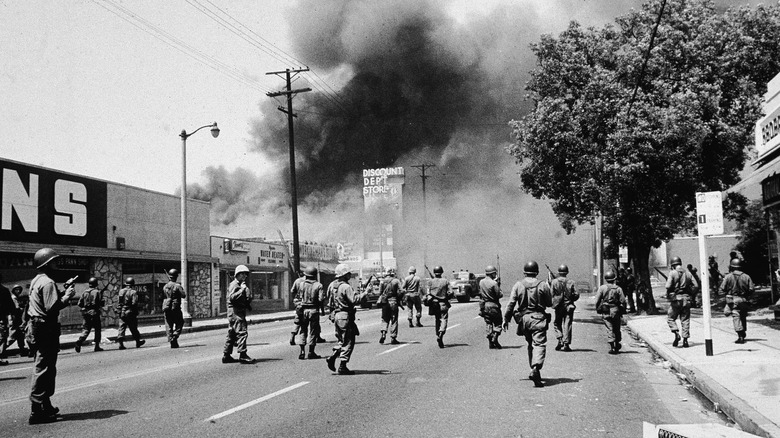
<point x="289" y="92"/>
<point x="423" y="176"/>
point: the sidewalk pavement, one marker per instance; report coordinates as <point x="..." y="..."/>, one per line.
<point x="743" y="379"/>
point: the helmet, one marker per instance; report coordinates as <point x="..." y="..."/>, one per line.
<point x="531" y="268"/>
<point x="609" y="275"/>
<point x="310" y="271"/>
<point x="129" y="281"/>
<point x="628" y="269"/>
<point x="240" y="269"/>
<point x="342" y="270"/>
<point x="412" y="270"/>
<point x="735" y="263"/>
<point x="391" y="272"/>
<point x="92" y="281"/>
<point x="676" y="261"/>
<point x="563" y="269"/>
<point x="490" y="269"/>
<point x="438" y="270"/>
<point x="44" y="256"/>
<point x="173" y="272"/>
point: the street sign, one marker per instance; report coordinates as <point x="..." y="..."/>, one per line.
<point x="623" y="254"/>
<point x="709" y="213"/>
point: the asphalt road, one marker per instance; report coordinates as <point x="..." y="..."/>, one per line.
<point x="412" y="389"/>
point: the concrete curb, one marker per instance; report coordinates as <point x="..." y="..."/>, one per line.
<point x="738" y="410"/>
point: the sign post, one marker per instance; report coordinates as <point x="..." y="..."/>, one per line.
<point x="709" y="219"/>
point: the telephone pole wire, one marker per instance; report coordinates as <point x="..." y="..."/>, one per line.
<point x="289" y="92"/>
<point x="424" y="177"/>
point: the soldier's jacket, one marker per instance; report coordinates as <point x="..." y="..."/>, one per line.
<point x="610" y="298"/>
<point x="530" y="295"/>
<point x="128" y="301"/>
<point x="174" y="293"/>
<point x="564" y="293"/>
<point x="345" y="298"/>
<point x="308" y="294"/>
<point x="738" y="284"/>
<point x="680" y="282"/>
<point x="489" y="291"/>
<point x="45" y="299"/>
<point x="411" y="284"/>
<point x="391" y="289"/>
<point x="239" y="299"/>
<point x="91" y="302"/>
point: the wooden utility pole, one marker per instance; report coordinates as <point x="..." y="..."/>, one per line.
<point x="423" y="176"/>
<point x="289" y="92"/>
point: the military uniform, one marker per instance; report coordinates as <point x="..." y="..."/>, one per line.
<point x="490" y="306"/>
<point x="128" y="314"/>
<point x="738" y="288"/>
<point x="6" y="309"/>
<point x="298" y="312"/>
<point x="330" y="292"/>
<point x="174" y="318"/>
<point x="439" y="296"/>
<point x="391" y="295"/>
<point x="19" y="318"/>
<point x="532" y="297"/>
<point x="411" y="289"/>
<point x="611" y="304"/>
<point x="679" y="287"/>
<point x="343" y="305"/>
<point x="564" y="294"/>
<point x="239" y="298"/>
<point x="91" y="304"/>
<point x="310" y="298"/>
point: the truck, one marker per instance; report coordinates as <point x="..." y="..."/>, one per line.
<point x="465" y="285"/>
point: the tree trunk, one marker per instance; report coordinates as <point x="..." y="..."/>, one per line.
<point x="645" y="301"/>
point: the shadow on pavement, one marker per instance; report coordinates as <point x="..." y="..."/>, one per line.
<point x="13" y="378"/>
<point x="580" y="350"/>
<point x="386" y="372"/>
<point x="257" y="344"/>
<point x="558" y="381"/>
<point x="192" y="345"/>
<point x="455" y="345"/>
<point x="94" y="415"/>
<point x="511" y="347"/>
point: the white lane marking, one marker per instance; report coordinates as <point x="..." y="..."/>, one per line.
<point x="477" y="317"/>
<point x="254" y="402"/>
<point x="16" y="369"/>
<point x="453" y="326"/>
<point x="396" y="348"/>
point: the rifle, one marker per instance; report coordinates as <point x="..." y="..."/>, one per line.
<point x="552" y="274"/>
<point x="429" y="271"/>
<point x="498" y="267"/>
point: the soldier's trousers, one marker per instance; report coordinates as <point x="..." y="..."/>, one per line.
<point x="129" y="321"/>
<point x="346" y="331"/>
<point x="90" y="322"/>
<point x="612" y="323"/>
<point x="17" y="329"/>
<point x="310" y="327"/>
<point x="390" y="318"/>
<point x="413" y="303"/>
<point x="46" y="338"/>
<point x="442" y="314"/>
<point x="564" y="317"/>
<point x="174" y="321"/>
<point x="3" y="334"/>
<point x="535" y="332"/>
<point x="680" y="308"/>
<point x="493" y="318"/>
<point x="630" y="299"/>
<point x="739" y="311"/>
<point x="236" y="336"/>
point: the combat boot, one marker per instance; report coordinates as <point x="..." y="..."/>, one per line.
<point x="78" y="347"/>
<point x="491" y="345"/>
<point x="332" y="360"/>
<point x="382" y="338"/>
<point x="536" y="377"/>
<point x="740" y="337"/>
<point x="344" y="371"/>
<point x="685" y="342"/>
<point x="559" y="347"/>
<point x="245" y="359"/>
<point x="302" y="354"/>
<point x="49" y="409"/>
<point x="440" y="340"/>
<point x="121" y="345"/>
<point x="312" y="354"/>
<point x="226" y="358"/>
<point x="418" y="324"/>
<point x="292" y="338"/>
<point x="612" y="349"/>
<point x="410" y="323"/>
<point x="139" y="342"/>
<point x="566" y="347"/>
<point x="676" y="341"/>
<point x="495" y="340"/>
<point x="98" y="348"/>
<point x="38" y="415"/>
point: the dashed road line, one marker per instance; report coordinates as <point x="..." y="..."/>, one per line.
<point x="396" y="348"/>
<point x="16" y="369"/>
<point x="254" y="402"/>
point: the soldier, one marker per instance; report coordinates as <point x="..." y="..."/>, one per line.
<point x="128" y="314"/>
<point x="343" y="305"/>
<point x="564" y="295"/>
<point x="310" y="298"/>
<point x="329" y="293"/>
<point x="630" y="290"/>
<point x="46" y="300"/>
<point x="490" y="306"/>
<point x="679" y="287"/>
<point x="239" y="299"/>
<point x="174" y="318"/>
<point x="611" y="304"/>
<point x="411" y="290"/>
<point x="91" y="304"/>
<point x="6" y="310"/>
<point x="438" y="298"/>
<point x="19" y="318"/>
<point x="391" y="297"/>
<point x="298" y="311"/>
<point x="738" y="288"/>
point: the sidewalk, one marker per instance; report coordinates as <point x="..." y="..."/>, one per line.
<point x="743" y="379"/>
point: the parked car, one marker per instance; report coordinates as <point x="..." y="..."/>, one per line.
<point x="465" y="285"/>
<point x="372" y="296"/>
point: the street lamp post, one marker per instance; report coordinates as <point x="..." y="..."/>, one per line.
<point x="185" y="305"/>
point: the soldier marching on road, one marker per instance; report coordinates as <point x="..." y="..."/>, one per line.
<point x="611" y="304"/>
<point x="298" y="311"/>
<point x="679" y="287"/>
<point x="532" y="297"/>
<point x="490" y="306"/>
<point x="391" y="294"/>
<point x="342" y="304"/>
<point x="239" y="299"/>
<point x="563" y="298"/>
<point x="411" y="289"/>
<point x="6" y="309"/>
<point x="174" y="319"/>
<point x="309" y="296"/>
<point x="738" y="288"/>
<point x="128" y="313"/>
<point x="91" y="304"/>
<point x="19" y="319"/>
<point x="438" y="301"/>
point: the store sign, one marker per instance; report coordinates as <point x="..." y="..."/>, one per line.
<point x="770" y="190"/>
<point x="44" y="206"/>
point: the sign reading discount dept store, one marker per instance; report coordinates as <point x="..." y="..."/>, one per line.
<point x="43" y="206"/>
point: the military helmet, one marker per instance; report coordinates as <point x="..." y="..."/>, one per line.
<point x="129" y="281"/>
<point x="438" y="270"/>
<point x="240" y="269"/>
<point x="412" y="270"/>
<point x="173" y="272"/>
<point x="735" y="263"/>
<point x="490" y="269"/>
<point x="342" y="270"/>
<point x="531" y="268"/>
<point x="563" y="269"/>
<point x="391" y="272"/>
<point x="310" y="271"/>
<point x="676" y="261"/>
<point x="92" y="281"/>
<point x="43" y="256"/>
<point x="609" y="275"/>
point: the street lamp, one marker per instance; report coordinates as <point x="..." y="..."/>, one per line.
<point x="185" y="308"/>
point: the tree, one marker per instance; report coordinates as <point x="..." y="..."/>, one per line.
<point x="753" y="228"/>
<point x="633" y="137"/>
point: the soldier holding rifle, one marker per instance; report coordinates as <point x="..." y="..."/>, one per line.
<point x="91" y="304"/>
<point x="239" y="298"/>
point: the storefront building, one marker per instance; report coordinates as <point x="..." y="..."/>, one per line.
<point x="101" y="229"/>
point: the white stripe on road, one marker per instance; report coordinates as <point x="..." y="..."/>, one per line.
<point x="254" y="402"/>
<point x="16" y="369"/>
<point x="453" y="326"/>
<point x="396" y="348"/>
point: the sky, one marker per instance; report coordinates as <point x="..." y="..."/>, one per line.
<point x="103" y="89"/>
